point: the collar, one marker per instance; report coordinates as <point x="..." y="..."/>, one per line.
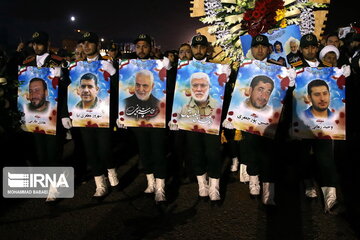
<point x="313" y="64"/>
<point x="93" y="59"/>
<point x="40" y="59"/>
<point x="193" y="104"/>
<point x="202" y="60"/>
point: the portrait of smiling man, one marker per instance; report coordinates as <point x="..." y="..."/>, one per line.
<point x="88" y="90"/>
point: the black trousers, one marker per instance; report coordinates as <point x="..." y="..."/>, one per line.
<point x="152" y="150"/>
<point x="205" y="152"/>
<point x="49" y="149"/>
<point x="319" y="165"/>
<point x="98" y="149"/>
<point x="259" y="156"/>
<point x="181" y="165"/>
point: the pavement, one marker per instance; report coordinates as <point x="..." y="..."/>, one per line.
<point x="128" y="213"/>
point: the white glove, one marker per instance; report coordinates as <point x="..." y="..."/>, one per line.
<point x="109" y="67"/>
<point x="227" y="70"/>
<point x="346" y="70"/>
<point x="173" y="126"/>
<point x="292" y="76"/>
<point x="166" y="63"/>
<point x="227" y="124"/>
<point x="66" y="122"/>
<point x="56" y="71"/>
<point x="120" y="125"/>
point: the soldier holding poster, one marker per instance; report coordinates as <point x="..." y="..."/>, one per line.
<point x="96" y="140"/>
<point x="322" y="148"/>
<point x="48" y="147"/>
<point x="142" y="112"/>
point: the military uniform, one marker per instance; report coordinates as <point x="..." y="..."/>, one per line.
<point x="48" y="147"/>
<point x="152" y="146"/>
<point x="323" y="149"/>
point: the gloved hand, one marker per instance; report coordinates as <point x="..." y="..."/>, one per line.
<point x="227" y="71"/>
<point x="166" y="63"/>
<point x="292" y="76"/>
<point x="346" y="70"/>
<point x="120" y="125"/>
<point x="66" y="122"/>
<point x="227" y="124"/>
<point x="173" y="126"/>
<point x="108" y="67"/>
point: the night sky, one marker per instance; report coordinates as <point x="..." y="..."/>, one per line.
<point x="167" y="21"/>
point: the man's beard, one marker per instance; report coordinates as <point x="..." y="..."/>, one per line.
<point x="35" y="106"/>
<point x="199" y="56"/>
<point x="143" y="97"/>
<point x="203" y="98"/>
<point x="320" y="109"/>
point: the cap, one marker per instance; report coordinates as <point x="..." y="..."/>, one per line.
<point x="308" y="40"/>
<point x="90" y="37"/>
<point x="260" y="40"/>
<point x="143" y="37"/>
<point x="199" y="40"/>
<point x="329" y="48"/>
<point x="40" y="37"/>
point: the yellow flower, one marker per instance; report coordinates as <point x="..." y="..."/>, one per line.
<point x="280" y="14"/>
<point x="283" y="23"/>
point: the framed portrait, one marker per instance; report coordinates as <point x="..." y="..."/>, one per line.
<point x="257" y="99"/>
<point x="142" y="93"/>
<point x="37" y="98"/>
<point x="199" y="94"/>
<point x="284" y="42"/>
<point x="89" y="94"/>
<point x="319" y="104"/>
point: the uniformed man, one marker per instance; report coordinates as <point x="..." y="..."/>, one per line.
<point x="151" y="141"/>
<point x="204" y="149"/>
<point x="322" y="149"/>
<point x="97" y="142"/>
<point x="260" y="162"/>
<point x="48" y="147"/>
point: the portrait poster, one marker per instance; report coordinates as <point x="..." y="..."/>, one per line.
<point x="257" y="98"/>
<point x="142" y="93"/>
<point x="319" y="104"/>
<point x="37" y="98"/>
<point x="199" y="94"/>
<point x="89" y="94"/>
<point x="280" y="40"/>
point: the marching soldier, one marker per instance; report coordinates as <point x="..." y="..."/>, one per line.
<point x="151" y="141"/>
<point x="48" y="147"/>
<point x="97" y="141"/>
<point x="322" y="149"/>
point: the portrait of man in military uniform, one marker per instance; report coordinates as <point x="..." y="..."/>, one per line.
<point x="142" y="104"/>
<point x="38" y="93"/>
<point x="88" y="90"/>
<point x="201" y="104"/>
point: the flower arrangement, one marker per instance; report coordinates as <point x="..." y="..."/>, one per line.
<point x="230" y="19"/>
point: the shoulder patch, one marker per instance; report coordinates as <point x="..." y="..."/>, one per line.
<point x="29" y="59"/>
<point x="106" y="57"/>
<point x="327" y="64"/>
<point x="56" y="57"/>
<point x="296" y="64"/>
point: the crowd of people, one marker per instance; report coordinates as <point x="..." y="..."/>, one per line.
<point x="196" y="156"/>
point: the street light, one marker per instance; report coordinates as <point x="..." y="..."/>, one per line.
<point x="72" y="18"/>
